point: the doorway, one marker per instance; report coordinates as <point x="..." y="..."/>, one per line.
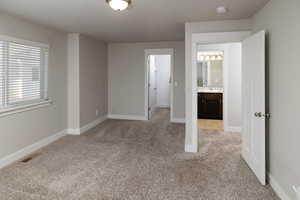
<point x="210" y="89"/>
<point x="253" y="118"/>
<point x="219" y="85"/>
<point x="159" y="81"/>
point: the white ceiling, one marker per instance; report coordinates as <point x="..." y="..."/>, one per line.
<point x="147" y="20"/>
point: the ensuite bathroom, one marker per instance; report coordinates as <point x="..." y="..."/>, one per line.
<point x="210" y="89"/>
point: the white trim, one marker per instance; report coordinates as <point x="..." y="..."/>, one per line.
<point x="149" y="52"/>
<point x="22" y="108"/>
<point x="127" y="117"/>
<point x="190" y="149"/>
<point x="234" y="129"/>
<point x="191" y="77"/>
<point x="23" y="41"/>
<point x="277" y="188"/>
<point x="92" y="124"/>
<point x="87" y="127"/>
<point x="7" y="160"/>
<point x="178" y="120"/>
<point x="297" y="191"/>
<point x="73" y="131"/>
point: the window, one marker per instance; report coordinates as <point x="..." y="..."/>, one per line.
<point x="23" y="72"/>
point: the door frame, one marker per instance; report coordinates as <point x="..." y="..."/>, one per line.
<point x="164" y="51"/>
<point x="192" y="140"/>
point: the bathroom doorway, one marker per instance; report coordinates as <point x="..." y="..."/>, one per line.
<point x="210" y="90"/>
<point x="159" y="82"/>
<point x="219" y="72"/>
<point x="252" y="93"/>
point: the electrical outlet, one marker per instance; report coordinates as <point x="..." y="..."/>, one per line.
<point x="297" y="191"/>
<point x="97" y="112"/>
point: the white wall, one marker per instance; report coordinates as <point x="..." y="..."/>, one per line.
<point x="93" y="79"/>
<point x="202" y="27"/>
<point x="234" y="82"/>
<point x="23" y="129"/>
<point x="126" y="77"/>
<point x="281" y="21"/>
<point x="163" y="67"/>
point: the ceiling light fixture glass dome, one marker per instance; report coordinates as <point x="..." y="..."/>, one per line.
<point x="119" y="5"/>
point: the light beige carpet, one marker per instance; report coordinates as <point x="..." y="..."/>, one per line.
<point x="135" y="160"/>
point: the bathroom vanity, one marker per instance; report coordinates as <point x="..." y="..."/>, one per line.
<point x="210" y="105"/>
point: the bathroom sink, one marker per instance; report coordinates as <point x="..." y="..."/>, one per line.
<point x="210" y="90"/>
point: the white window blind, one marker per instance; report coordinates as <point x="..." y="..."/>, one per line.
<point x="23" y="73"/>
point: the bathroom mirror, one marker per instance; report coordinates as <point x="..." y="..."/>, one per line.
<point x="210" y="69"/>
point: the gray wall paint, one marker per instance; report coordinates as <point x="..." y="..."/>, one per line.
<point x="126" y="77"/>
<point x="23" y="129"/>
<point x="281" y="20"/>
<point x="93" y="79"/>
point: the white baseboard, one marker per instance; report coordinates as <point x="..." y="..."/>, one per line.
<point x="127" y="117"/>
<point x="7" y="160"/>
<point x="190" y="149"/>
<point x="92" y="124"/>
<point x="163" y="106"/>
<point x="73" y="131"/>
<point x="177" y="120"/>
<point x="86" y="127"/>
<point x="235" y="129"/>
<point x="277" y="188"/>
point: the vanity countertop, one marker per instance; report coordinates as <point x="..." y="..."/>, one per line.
<point x="210" y="90"/>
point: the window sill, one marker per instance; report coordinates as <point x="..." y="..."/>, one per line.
<point x="23" y="108"/>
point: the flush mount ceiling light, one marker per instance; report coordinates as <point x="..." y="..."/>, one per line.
<point x="119" y="5"/>
<point x="221" y="10"/>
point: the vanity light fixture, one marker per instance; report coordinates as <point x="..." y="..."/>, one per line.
<point x="210" y="56"/>
<point x="118" y="5"/>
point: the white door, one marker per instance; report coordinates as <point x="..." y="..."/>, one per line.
<point x="152" y="85"/>
<point x="254" y="117"/>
